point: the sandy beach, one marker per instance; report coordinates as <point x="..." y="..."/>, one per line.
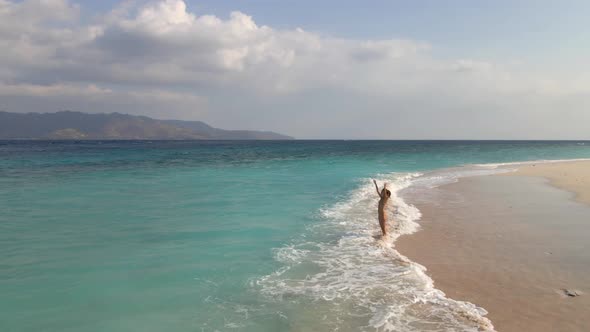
<point x="511" y="244"/>
<point x="571" y="176"/>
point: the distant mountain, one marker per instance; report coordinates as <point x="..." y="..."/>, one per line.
<point x="77" y="125"/>
<point x="216" y="133"/>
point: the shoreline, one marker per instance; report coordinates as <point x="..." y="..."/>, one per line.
<point x="572" y="176"/>
<point x="499" y="242"/>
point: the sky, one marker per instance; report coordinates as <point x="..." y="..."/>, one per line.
<point x="310" y="69"/>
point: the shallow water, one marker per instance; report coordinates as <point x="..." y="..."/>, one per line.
<point x="205" y="236"/>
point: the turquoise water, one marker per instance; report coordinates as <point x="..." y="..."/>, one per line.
<point x="197" y="236"/>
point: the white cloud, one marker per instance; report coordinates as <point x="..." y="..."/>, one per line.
<point x="259" y="77"/>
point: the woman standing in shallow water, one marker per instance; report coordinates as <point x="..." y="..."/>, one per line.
<point x="384" y="195"/>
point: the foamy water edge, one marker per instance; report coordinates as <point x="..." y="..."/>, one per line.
<point x="389" y="291"/>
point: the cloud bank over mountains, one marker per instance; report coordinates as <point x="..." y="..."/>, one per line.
<point x="162" y="60"/>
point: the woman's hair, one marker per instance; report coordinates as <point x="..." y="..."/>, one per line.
<point x="388" y="192"/>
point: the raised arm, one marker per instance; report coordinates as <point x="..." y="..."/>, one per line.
<point x="377" y="188"/>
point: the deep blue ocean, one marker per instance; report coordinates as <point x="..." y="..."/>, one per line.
<point x="220" y="235"/>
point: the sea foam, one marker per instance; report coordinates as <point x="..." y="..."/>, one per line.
<point x="530" y="162"/>
<point x="341" y="268"/>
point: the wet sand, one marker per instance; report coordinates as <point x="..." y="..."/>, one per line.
<point x="571" y="176"/>
<point x="509" y="244"/>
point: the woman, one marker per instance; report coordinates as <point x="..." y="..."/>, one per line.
<point x="384" y="195"/>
